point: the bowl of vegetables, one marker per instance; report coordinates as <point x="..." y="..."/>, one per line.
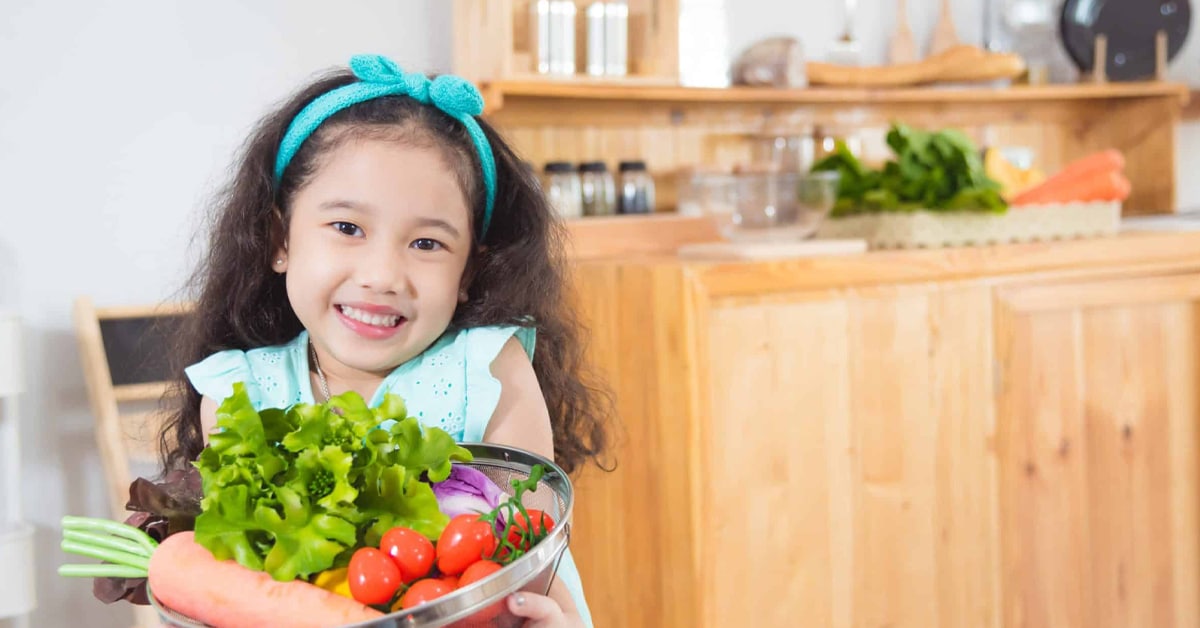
<point x="334" y="515"/>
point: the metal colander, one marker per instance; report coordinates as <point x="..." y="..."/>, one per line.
<point x="472" y="606"/>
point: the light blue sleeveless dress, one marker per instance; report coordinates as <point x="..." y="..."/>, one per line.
<point x="449" y="386"/>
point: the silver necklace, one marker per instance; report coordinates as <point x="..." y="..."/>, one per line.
<point x="320" y="374"/>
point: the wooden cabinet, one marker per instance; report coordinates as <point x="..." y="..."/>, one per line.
<point x="985" y="437"/>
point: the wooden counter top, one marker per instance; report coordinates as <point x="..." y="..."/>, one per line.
<point x="1130" y="250"/>
<point x="627" y="241"/>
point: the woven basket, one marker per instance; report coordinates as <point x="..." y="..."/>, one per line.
<point x="930" y="229"/>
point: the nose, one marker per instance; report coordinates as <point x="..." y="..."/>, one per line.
<point x="382" y="269"/>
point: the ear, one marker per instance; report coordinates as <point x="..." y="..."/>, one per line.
<point x="468" y="277"/>
<point x="464" y="285"/>
<point x="279" y="261"/>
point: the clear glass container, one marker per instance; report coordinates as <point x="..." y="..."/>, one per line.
<point x="539" y="34"/>
<point x="599" y="190"/>
<point x="766" y="206"/>
<point x="616" y="38"/>
<point x="636" y="188"/>
<point x="563" y="189"/>
<point x="705" y="191"/>
<point x="784" y="153"/>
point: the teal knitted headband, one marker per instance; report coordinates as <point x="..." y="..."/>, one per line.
<point x="379" y="76"/>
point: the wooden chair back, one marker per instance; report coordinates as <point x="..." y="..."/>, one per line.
<point x="125" y="354"/>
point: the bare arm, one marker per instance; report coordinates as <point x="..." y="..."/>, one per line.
<point x="522" y="420"/>
<point x="208" y="417"/>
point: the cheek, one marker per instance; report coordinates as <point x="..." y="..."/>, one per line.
<point x="442" y="285"/>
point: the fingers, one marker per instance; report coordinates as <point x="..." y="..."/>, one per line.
<point x="534" y="607"/>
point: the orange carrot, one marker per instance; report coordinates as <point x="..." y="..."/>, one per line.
<point x="185" y="577"/>
<point x="1109" y="159"/>
<point x="1104" y="186"/>
<point x="1081" y="180"/>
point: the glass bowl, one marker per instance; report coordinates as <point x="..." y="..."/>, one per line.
<point x="774" y="206"/>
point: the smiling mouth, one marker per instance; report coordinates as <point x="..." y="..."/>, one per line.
<point x="376" y="320"/>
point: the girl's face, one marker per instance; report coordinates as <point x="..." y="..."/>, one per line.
<point x="377" y="244"/>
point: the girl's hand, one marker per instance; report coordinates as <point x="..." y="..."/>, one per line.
<point x="541" y="611"/>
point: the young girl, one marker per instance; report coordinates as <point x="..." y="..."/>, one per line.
<point x="379" y="237"/>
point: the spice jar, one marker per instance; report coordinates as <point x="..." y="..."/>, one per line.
<point x="636" y="188"/>
<point x="563" y="189"/>
<point x="599" y="189"/>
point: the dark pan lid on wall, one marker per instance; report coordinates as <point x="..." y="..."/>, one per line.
<point x="1131" y="27"/>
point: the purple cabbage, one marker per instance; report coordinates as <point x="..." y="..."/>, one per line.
<point x="467" y="491"/>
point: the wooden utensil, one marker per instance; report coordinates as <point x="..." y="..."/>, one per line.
<point x="944" y="36"/>
<point x="960" y="64"/>
<point x="903" y="49"/>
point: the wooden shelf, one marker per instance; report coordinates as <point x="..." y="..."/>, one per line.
<point x="656" y="91"/>
<point x="672" y="127"/>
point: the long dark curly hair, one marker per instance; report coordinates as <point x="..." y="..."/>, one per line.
<point x="516" y="273"/>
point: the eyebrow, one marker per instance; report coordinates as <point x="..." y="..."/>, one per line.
<point x="341" y="204"/>
<point x="438" y="223"/>
<point x="423" y="221"/>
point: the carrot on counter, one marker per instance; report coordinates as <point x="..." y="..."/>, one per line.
<point x="1109" y="159"/>
<point x="1097" y="177"/>
<point x="185" y="577"/>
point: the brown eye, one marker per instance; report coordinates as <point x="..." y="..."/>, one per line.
<point x="347" y="228"/>
<point x="427" y="244"/>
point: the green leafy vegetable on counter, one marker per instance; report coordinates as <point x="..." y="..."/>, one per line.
<point x="293" y="492"/>
<point x="936" y="171"/>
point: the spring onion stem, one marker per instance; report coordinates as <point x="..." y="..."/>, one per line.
<point x="101" y="571"/>
<point x="125" y="531"/>
<point x="105" y="554"/>
<point x="100" y="540"/>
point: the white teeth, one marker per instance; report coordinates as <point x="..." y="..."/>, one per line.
<point x="378" y="320"/>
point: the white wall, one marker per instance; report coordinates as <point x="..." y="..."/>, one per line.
<point x="117" y="120"/>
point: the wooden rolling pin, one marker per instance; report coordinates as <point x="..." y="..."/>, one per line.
<point x="959" y="64"/>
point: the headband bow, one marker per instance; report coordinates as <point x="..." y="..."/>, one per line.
<point x="379" y="76"/>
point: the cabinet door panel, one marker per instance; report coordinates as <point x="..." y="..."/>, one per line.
<point x="1097" y="428"/>
<point x="863" y="428"/>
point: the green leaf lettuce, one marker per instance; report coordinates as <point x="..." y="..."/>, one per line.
<point x="293" y="492"/>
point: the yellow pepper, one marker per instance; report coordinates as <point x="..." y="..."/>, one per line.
<point x="335" y="581"/>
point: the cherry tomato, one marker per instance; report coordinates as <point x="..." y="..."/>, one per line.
<point x="542" y="524"/>
<point x="465" y="540"/>
<point x="373" y="576"/>
<point x="450" y="580"/>
<point x="476" y="572"/>
<point x="422" y="591"/>
<point x="412" y="552"/>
